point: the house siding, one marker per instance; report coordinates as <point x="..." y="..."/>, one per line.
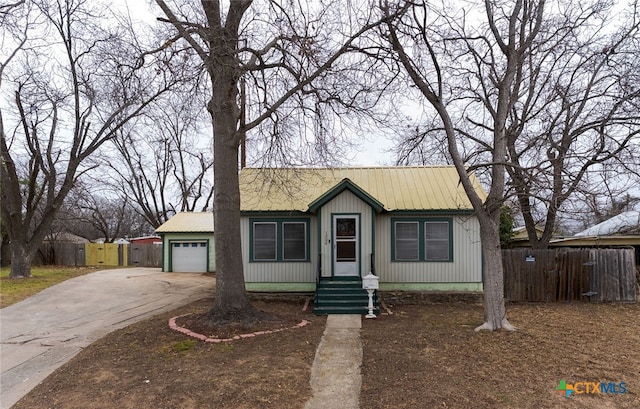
<point x="168" y="238"/>
<point x="466" y="266"/>
<point x="346" y="203"/>
<point x="463" y="273"/>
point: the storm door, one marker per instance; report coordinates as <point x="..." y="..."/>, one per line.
<point x="345" y="245"/>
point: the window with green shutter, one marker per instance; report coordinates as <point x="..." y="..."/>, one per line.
<point x="279" y="240"/>
<point x="421" y="239"/>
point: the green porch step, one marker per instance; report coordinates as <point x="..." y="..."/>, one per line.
<point x="343" y="310"/>
<point x="342" y="296"/>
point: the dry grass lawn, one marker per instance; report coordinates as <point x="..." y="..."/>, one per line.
<point x="14" y="290"/>
<point x="422" y="356"/>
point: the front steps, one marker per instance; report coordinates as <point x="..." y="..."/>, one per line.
<point x="342" y="296"/>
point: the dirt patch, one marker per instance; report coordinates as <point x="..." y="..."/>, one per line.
<point x="148" y="365"/>
<point x="428" y="356"/>
<point x="425" y="355"/>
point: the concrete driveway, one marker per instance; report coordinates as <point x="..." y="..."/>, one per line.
<point x="43" y="332"/>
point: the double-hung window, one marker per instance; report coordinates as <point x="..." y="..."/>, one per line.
<point x="294" y="241"/>
<point x="422" y="239"/>
<point x="436" y="241"/>
<point x="279" y="240"/>
<point x="264" y="241"/>
<point x="407" y="241"/>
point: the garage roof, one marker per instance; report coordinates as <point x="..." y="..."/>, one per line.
<point x="188" y="222"/>
<point x="393" y="188"/>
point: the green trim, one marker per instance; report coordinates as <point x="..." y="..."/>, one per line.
<point x="473" y="287"/>
<point x="422" y="257"/>
<point x="345" y="184"/>
<point x="279" y="222"/>
<point x="162" y="258"/>
<point x="341" y="278"/>
<point x="281" y="287"/>
<point x="208" y="251"/>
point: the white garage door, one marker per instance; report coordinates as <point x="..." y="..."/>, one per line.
<point x="189" y="257"/>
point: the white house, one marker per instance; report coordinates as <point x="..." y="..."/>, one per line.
<point x="318" y="229"/>
<point x="414" y="227"/>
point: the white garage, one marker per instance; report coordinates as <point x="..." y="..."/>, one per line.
<point x="188" y="243"/>
<point x="189" y="257"/>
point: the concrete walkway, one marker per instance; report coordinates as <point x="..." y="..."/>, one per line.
<point x="43" y="332"/>
<point x="335" y="375"/>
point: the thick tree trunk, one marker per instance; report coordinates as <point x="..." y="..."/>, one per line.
<point x="495" y="315"/>
<point x="20" y="260"/>
<point x="231" y="303"/>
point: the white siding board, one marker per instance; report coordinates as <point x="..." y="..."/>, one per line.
<point x="346" y="203"/>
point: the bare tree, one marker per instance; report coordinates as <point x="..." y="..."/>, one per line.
<point x="162" y="163"/>
<point x="605" y="202"/>
<point x="71" y="79"/>
<point x="577" y="112"/>
<point x="536" y="92"/>
<point x="283" y="50"/>
<point x="436" y="51"/>
<point x="574" y="128"/>
<point x="97" y="213"/>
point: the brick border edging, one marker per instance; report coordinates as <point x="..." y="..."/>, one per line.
<point x="186" y="331"/>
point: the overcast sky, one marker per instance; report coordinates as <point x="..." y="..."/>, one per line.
<point x="373" y="152"/>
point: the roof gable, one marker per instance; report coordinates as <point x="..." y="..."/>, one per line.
<point x="415" y="188"/>
<point x="345" y="184"/>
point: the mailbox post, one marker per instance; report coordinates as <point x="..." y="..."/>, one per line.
<point x="370" y="283"/>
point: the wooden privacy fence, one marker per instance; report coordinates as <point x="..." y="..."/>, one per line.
<point x="145" y="255"/>
<point x="100" y="254"/>
<point x="599" y="275"/>
<point x="106" y="254"/>
<point x="61" y="254"/>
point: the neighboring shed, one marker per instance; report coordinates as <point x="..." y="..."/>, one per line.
<point x="188" y="243"/>
<point x="520" y="236"/>
<point x="620" y="231"/>
<point x="146" y="240"/>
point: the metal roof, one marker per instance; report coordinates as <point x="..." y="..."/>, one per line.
<point x="626" y="222"/>
<point x="188" y="222"/>
<point x="396" y="188"/>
